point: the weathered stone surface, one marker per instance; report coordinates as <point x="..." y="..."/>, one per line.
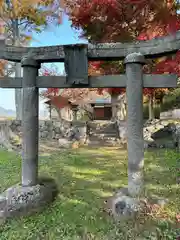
<point x="18" y="200"/>
<point x="11" y="132"/>
<point x="103" y="133"/>
<point x="176" y="135"/>
<point x="111" y="133"/>
<point x="150" y="48"/>
<point x="162" y="133"/>
<point x="126" y="206"/>
<point x="3" y="201"/>
<point x="121" y="206"/>
<point x="157" y="134"/>
<point x="171" y="114"/>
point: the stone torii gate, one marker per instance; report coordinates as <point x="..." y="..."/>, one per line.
<point x="32" y="191"/>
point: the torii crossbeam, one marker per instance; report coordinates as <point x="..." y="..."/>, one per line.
<point x="107" y="51"/>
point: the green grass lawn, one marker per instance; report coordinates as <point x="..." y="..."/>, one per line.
<point x="85" y="179"/>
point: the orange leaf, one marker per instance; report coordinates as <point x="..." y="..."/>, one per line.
<point x="178" y="217"/>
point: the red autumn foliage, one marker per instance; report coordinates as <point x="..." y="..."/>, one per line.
<point x="119" y="20"/>
<point x="125" y="21"/>
<point x="52" y="71"/>
<point x="69" y="94"/>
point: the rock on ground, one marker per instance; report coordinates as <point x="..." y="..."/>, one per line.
<point x="19" y="200"/>
<point x="157" y="133"/>
<point x="122" y="206"/>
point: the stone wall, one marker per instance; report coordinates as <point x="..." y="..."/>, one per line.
<point x="171" y="114"/>
<point x="11" y="130"/>
<point x="157" y="133"/>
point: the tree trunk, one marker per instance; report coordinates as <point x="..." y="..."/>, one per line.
<point x="18" y="94"/>
<point x="151" y="107"/>
<point x="58" y="112"/>
<point x="118" y="103"/>
<point x="18" y="91"/>
<point x="89" y="111"/>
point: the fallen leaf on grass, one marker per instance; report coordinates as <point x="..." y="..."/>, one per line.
<point x="178" y="217"/>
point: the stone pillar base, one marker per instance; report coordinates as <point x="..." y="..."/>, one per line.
<point x="122" y="206"/>
<point x="20" y="201"/>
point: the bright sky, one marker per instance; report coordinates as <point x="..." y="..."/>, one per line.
<point x="62" y="34"/>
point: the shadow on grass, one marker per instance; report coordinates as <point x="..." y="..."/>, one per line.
<point x="85" y="177"/>
<point x="162" y="170"/>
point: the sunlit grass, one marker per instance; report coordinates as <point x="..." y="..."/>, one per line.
<point x="85" y="178"/>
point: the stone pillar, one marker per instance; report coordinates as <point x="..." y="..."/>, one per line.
<point x="30" y="122"/>
<point x="135" y="142"/>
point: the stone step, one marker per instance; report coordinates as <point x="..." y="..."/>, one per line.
<point x="101" y="122"/>
<point x="104" y="135"/>
<point x="103" y="143"/>
<point x="104" y="131"/>
<point x="102" y="125"/>
<point x="105" y="138"/>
